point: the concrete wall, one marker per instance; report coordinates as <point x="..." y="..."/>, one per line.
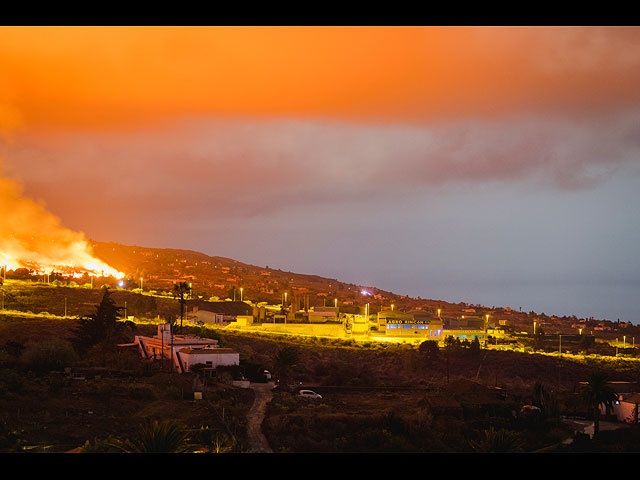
<point x="244" y="320"/>
<point x="318" y="329"/>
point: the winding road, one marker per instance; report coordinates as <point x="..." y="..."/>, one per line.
<point x="257" y="441"/>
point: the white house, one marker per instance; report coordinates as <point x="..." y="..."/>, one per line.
<point x="185" y="350"/>
<point x="186" y="358"/>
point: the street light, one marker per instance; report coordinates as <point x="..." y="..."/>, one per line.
<point x="240" y="293"/>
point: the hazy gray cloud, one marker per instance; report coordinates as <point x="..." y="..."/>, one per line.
<point x="214" y="167"/>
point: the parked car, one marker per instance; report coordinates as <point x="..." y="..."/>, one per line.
<point x="309" y="394"/>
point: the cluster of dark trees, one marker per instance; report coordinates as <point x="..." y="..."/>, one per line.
<point x="103" y="327"/>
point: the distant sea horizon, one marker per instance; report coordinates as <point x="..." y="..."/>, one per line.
<point x="601" y="301"/>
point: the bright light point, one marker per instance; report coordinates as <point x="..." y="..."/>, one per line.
<point x="364" y="292"/>
<point x="121" y="283"/>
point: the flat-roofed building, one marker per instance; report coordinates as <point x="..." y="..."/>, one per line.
<point x="410" y="324"/>
<point x="167" y="345"/>
<point x="209" y="358"/>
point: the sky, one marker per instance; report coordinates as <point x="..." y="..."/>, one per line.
<point x="489" y="165"/>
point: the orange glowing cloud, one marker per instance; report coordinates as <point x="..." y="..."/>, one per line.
<point x="113" y="75"/>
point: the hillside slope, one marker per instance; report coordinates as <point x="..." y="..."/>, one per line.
<point x="214" y="277"/>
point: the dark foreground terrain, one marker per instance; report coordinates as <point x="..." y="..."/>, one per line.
<point x="375" y="397"/>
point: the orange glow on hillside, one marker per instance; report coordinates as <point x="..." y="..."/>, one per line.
<point x="33" y="238"/>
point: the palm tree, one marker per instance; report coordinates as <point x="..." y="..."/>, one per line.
<point x="596" y="393"/>
<point x="181" y="290"/>
<point x="167" y="436"/>
<point x="546" y="401"/>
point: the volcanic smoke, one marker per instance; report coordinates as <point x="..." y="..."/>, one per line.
<point x="32" y="237"/>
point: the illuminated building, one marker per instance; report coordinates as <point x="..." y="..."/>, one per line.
<point x="210" y="358"/>
<point x="185" y="350"/>
<point x="465" y="328"/>
<point x="410" y="324"/>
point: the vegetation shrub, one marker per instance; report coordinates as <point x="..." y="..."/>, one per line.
<point x="47" y="355"/>
<point x="157" y="436"/>
<point x="10" y="381"/>
<point x="174" y="392"/>
<point x="335" y="433"/>
<point x="213" y="440"/>
<point x="141" y="393"/>
<point x="101" y="446"/>
<point x="498" y="441"/>
<point x="13" y="348"/>
<point x="11" y="440"/>
<point x="57" y="383"/>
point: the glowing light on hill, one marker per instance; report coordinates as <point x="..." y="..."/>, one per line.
<point x="33" y="238"/>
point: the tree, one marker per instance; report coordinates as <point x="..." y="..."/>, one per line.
<point x="546" y="401"/>
<point x="474" y="345"/>
<point x="102" y="327"/>
<point x="181" y="290"/>
<point x="538" y="338"/>
<point x="284" y="360"/>
<point x="596" y="393"/>
<point x="429" y="349"/>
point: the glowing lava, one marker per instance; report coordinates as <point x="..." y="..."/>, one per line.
<point x="33" y="238"/>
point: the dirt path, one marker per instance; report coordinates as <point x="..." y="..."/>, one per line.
<point x="257" y="440"/>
